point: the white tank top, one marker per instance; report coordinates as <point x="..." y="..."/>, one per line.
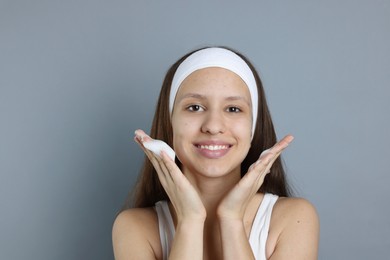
<point x="257" y="238"/>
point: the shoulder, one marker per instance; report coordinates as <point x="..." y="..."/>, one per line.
<point x="135" y="233"/>
<point x="131" y="218"/>
<point x="294" y="230"/>
<point x="294" y="209"/>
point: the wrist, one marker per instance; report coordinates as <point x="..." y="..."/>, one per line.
<point x="198" y="217"/>
<point x="190" y="227"/>
<point x="231" y="221"/>
<point x="191" y="222"/>
<point x="232" y="224"/>
<point x="228" y="217"/>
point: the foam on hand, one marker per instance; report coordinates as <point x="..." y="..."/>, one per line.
<point x="156" y="146"/>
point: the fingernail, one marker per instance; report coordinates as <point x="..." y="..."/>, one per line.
<point x="138" y="136"/>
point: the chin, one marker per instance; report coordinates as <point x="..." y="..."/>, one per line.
<point x="215" y="171"/>
<point x="212" y="168"/>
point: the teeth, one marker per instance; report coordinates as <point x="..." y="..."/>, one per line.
<point x="213" y="147"/>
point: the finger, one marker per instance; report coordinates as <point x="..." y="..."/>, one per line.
<point x="268" y="167"/>
<point x="142" y="136"/>
<point x="161" y="172"/>
<point x="162" y="164"/>
<point x="251" y="180"/>
<point x="257" y="175"/>
<point x="265" y="162"/>
<point x="148" y="153"/>
<point x="282" y="144"/>
<point x="254" y="171"/>
<point x="175" y="172"/>
<point x="258" y="170"/>
<point x="161" y="169"/>
<point x="168" y="163"/>
<point x="270" y="155"/>
<point x="267" y="158"/>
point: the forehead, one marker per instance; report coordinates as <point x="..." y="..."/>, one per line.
<point x="214" y="79"/>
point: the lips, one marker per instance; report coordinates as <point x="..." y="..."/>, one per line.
<point x="213" y="150"/>
<point x="213" y="147"/>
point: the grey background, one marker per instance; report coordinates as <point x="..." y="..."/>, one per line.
<point x="78" y="77"/>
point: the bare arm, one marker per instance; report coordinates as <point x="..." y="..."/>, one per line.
<point x="297" y="225"/>
<point x="299" y="236"/>
<point x="232" y="208"/>
<point x="235" y="243"/>
<point x="188" y="241"/>
<point x="135" y="235"/>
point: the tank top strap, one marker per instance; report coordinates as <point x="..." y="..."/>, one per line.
<point x="165" y="226"/>
<point x="260" y="227"/>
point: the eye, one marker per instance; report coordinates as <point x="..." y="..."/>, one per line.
<point x="194" y="108"/>
<point x="233" y="109"/>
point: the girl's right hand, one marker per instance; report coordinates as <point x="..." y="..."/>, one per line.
<point x="183" y="196"/>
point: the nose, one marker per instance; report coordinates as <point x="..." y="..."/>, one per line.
<point x="213" y="123"/>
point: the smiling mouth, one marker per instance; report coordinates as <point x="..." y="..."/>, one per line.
<point x="213" y="151"/>
<point x="214" y="147"/>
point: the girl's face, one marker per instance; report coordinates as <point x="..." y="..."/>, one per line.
<point x="211" y="121"/>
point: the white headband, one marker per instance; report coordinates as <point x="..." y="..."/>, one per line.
<point x="216" y="57"/>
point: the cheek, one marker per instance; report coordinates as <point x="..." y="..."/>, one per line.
<point x="181" y="126"/>
<point x="182" y="133"/>
<point x="182" y="129"/>
<point x="242" y="129"/>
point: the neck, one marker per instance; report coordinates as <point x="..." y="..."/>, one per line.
<point x="212" y="189"/>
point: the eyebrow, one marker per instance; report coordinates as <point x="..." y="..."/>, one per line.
<point x="192" y="95"/>
<point x="234" y="98"/>
<point x="202" y="97"/>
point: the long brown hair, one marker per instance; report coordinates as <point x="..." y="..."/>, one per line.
<point x="148" y="189"/>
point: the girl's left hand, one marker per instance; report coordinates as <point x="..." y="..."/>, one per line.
<point x="234" y="205"/>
